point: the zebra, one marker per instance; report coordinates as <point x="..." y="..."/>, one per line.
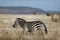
<point x="29" y="26"/>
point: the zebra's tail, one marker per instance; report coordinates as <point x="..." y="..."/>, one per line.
<point x="45" y="29"/>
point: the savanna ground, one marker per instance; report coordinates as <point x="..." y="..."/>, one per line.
<point x="7" y="32"/>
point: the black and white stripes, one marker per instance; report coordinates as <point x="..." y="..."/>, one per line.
<point x="39" y="25"/>
<point x="29" y="26"/>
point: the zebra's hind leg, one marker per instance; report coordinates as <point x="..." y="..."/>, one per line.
<point x="42" y="27"/>
<point x="31" y="32"/>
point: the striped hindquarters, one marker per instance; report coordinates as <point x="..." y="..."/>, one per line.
<point x="39" y="25"/>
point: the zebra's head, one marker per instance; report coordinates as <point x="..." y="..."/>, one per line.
<point x="19" y="21"/>
<point x="15" y="24"/>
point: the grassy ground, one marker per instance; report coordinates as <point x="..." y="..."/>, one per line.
<point x="7" y="32"/>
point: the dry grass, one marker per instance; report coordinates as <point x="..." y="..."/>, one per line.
<point x="7" y="32"/>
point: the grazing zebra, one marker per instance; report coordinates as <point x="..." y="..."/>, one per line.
<point x="29" y="26"/>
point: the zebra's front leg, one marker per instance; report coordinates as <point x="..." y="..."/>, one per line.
<point x="25" y="31"/>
